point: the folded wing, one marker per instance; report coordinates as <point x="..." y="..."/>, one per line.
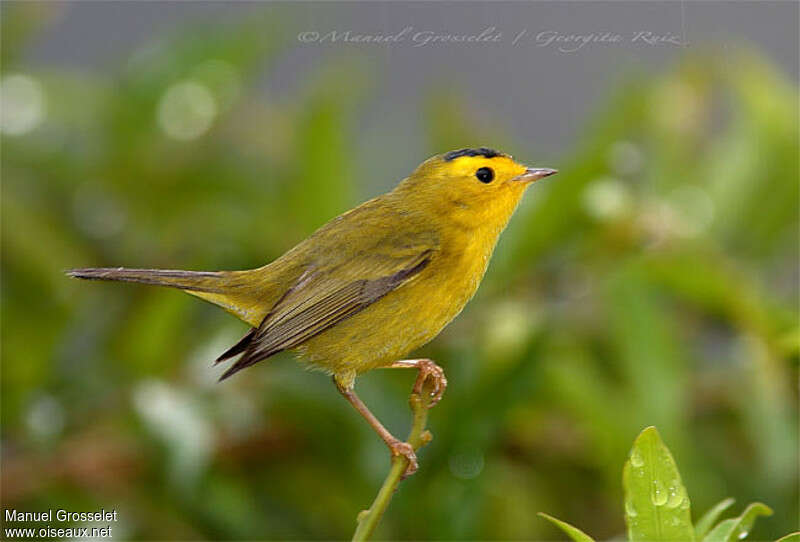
<point x="325" y="294"/>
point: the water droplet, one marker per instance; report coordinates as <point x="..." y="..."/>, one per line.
<point x="630" y="511"/>
<point x="636" y="458"/>
<point x="684" y="504"/>
<point x="658" y="495"/>
<point x="675" y="496"/>
<point x="743" y="534"/>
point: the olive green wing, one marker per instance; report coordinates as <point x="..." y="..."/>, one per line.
<point x="328" y="292"/>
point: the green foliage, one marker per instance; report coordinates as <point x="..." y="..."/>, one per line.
<point x="652" y="282"/>
<point x="657" y="505"/>
<point x="573" y="532"/>
<point x="707" y="521"/>
<point x="731" y="530"/>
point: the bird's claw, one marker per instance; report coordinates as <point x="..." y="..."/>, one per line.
<point x="428" y="369"/>
<point x="400" y="448"/>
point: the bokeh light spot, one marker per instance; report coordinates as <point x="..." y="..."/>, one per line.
<point x="173" y="417"/>
<point x="45" y="418"/>
<point x="509" y="325"/>
<point x="466" y="464"/>
<point x="186" y="110"/>
<point x="22" y="104"/>
<point x="606" y="199"/>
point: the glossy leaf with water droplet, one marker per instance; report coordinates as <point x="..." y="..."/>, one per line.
<point x="656" y="503"/>
<point x="573" y="532"/>
<point x="708" y="520"/>
<point x="735" y="529"/>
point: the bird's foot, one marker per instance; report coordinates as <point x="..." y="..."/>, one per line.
<point x="400" y="448"/>
<point x="428" y="369"/>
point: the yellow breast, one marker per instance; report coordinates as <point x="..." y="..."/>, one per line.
<point x="408" y="317"/>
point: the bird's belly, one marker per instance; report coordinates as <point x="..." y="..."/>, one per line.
<point x="393" y="326"/>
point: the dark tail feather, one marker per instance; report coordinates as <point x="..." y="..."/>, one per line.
<point x="249" y="358"/>
<point x="199" y="281"/>
<point x="239" y="347"/>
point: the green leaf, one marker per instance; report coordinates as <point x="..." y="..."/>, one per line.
<point x="656" y="503"/>
<point x="734" y="529"/>
<point x="573" y="532"/>
<point x="792" y="537"/>
<point x="721" y="531"/>
<point x="708" y="520"/>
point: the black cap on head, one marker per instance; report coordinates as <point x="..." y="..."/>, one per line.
<point x="481" y="151"/>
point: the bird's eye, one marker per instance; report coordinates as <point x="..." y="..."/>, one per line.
<point x="485" y="175"/>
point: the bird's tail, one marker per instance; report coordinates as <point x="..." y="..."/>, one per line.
<point x="239" y="292"/>
<point x="200" y="281"/>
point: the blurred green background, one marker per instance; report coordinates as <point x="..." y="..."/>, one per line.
<point x="654" y="281"/>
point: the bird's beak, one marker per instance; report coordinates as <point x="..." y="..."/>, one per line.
<point x="534" y="174"/>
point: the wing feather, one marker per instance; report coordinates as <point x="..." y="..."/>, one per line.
<point x="318" y="302"/>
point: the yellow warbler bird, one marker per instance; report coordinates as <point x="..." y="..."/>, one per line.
<point x="372" y="284"/>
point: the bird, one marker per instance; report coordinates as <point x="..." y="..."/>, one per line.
<point x="372" y="284"/>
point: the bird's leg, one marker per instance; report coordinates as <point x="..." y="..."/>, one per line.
<point x="427" y="369"/>
<point x="396" y="446"/>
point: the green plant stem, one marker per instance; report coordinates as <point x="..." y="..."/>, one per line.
<point x="418" y="437"/>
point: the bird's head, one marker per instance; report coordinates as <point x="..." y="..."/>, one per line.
<point x="472" y="185"/>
